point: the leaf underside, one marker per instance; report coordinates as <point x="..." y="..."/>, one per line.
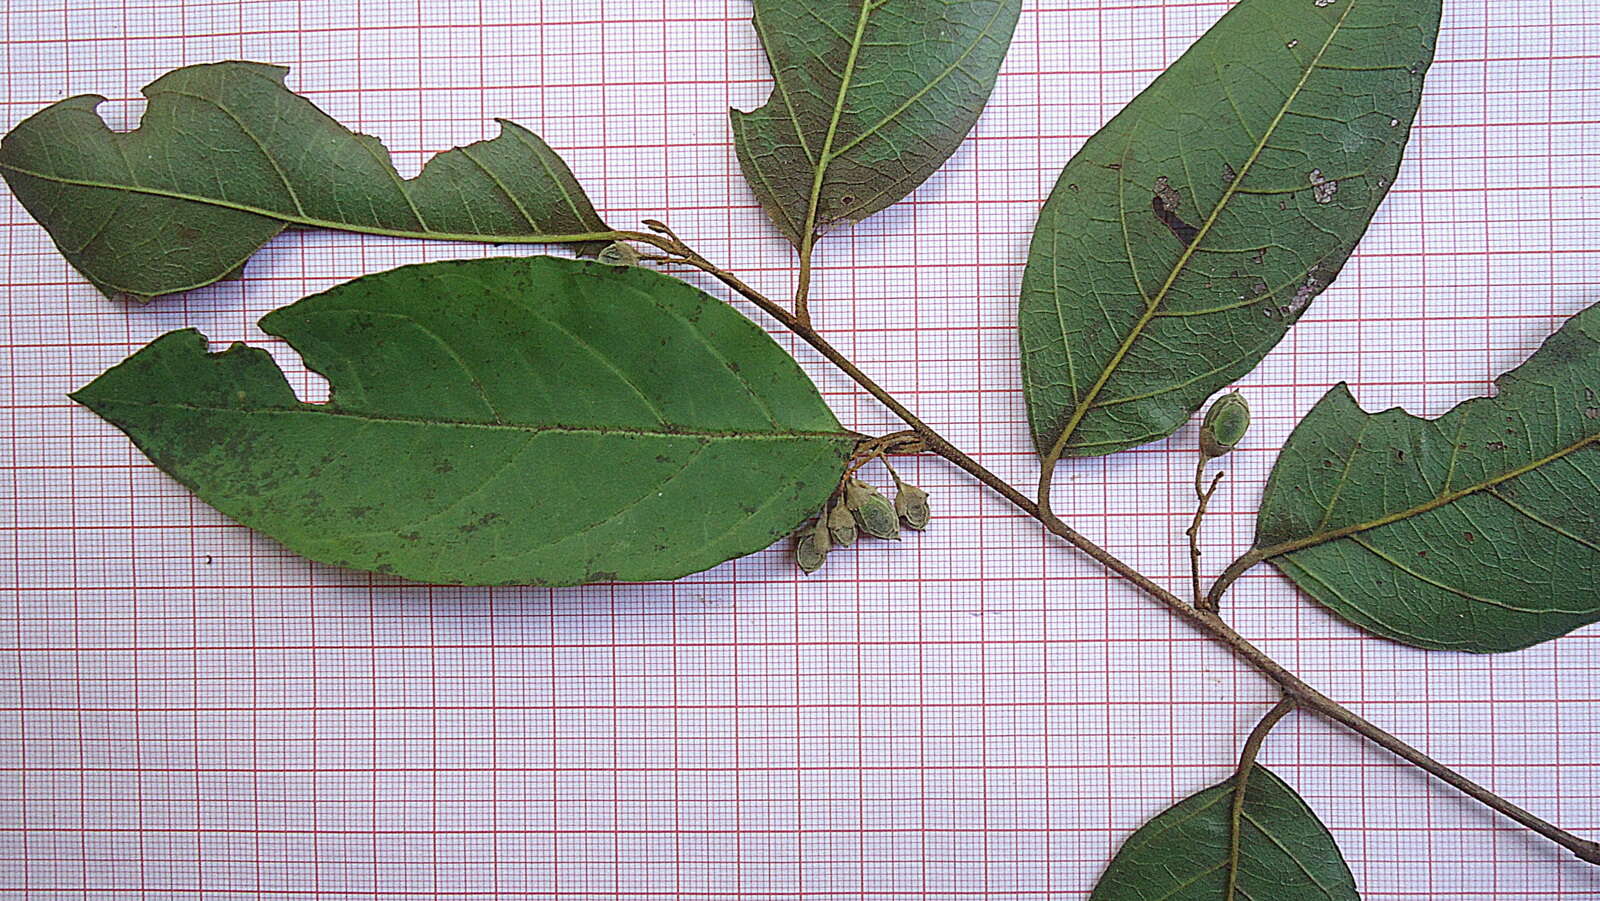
<point x="502" y="421"/>
<point x="1285" y="853"/>
<point x="226" y="157"/>
<point x="871" y="97"/>
<point x="1190" y="233"/>
<point x="1476" y="531"/>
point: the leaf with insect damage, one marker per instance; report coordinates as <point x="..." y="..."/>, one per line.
<point x="871" y="97"/>
<point x="226" y="157"/>
<point x="1189" y="234"/>
<point x="502" y="421"/>
<point x="1476" y="531"/>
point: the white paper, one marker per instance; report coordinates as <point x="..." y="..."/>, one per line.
<point x="978" y="712"/>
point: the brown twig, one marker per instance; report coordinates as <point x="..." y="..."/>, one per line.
<point x="1204" y="495"/>
<point x="1293" y="687"/>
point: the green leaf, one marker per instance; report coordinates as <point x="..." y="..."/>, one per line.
<point x="1184" y="239"/>
<point x="1476" y="531"/>
<point x="226" y="157"/>
<point x="871" y="98"/>
<point x="1285" y="853"/>
<point x="500" y="421"/>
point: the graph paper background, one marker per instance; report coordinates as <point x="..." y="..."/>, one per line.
<point x="190" y="711"/>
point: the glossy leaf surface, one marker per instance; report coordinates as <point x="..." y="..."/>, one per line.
<point x="1183" y="854"/>
<point x="1189" y="234"/>
<point x="541" y="421"/>
<point x="871" y="97"/>
<point x="1476" y="531"/>
<point x="226" y="157"/>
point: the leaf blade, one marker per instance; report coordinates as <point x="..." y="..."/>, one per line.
<point x="226" y="156"/>
<point x="557" y="422"/>
<point x="1134" y="310"/>
<point x="1182" y="853"/>
<point x="1474" y="531"/>
<point x="848" y="87"/>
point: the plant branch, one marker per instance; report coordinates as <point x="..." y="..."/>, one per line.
<point x="1204" y="495"/>
<point x="1293" y="687"/>
<point x="1247" y="762"/>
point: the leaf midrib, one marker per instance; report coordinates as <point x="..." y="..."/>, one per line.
<point x="1443" y="500"/>
<point x="279" y="216"/>
<point x="555" y="428"/>
<point x="1154" y="303"/>
<point x="827" y="153"/>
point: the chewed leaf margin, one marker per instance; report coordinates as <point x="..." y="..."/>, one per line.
<point x="500" y="421"/>
<point x="225" y="157"/>
<point x="1476" y="531"/>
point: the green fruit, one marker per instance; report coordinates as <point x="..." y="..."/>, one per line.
<point x="1225" y="425"/>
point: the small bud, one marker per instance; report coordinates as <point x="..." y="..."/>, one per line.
<point x="911" y="503"/>
<point x="811" y="546"/>
<point x="619" y="254"/>
<point x="1224" y="426"/>
<point x="872" y="510"/>
<point x="841" y="524"/>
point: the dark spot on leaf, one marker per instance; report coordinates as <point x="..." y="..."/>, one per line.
<point x="1496" y="445"/>
<point x="1469" y="536"/>
<point x="1165" y="205"/>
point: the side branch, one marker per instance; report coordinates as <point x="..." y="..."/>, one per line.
<point x="1203" y="495"/>
<point x="1294" y="688"/>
